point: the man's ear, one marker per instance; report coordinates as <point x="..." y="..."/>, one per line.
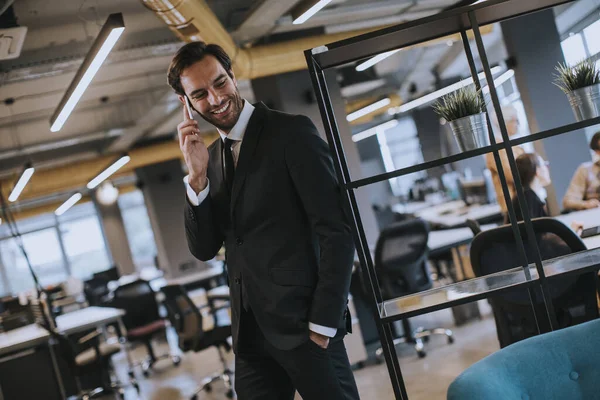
<point x="181" y="98"/>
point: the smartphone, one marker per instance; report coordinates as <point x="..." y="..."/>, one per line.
<point x="188" y="107"/>
<point x="590" y="232"/>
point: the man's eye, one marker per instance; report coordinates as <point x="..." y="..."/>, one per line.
<point x="199" y="96"/>
<point x="221" y="83"/>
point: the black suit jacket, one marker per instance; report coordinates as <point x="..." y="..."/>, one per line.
<point x="288" y="242"/>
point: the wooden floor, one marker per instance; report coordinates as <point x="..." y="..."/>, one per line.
<point x="426" y="379"/>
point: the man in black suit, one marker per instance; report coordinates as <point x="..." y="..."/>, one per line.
<point x="268" y="191"/>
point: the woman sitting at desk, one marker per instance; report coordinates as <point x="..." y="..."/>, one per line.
<point x="584" y="190"/>
<point x="534" y="174"/>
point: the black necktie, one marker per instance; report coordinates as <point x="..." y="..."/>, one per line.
<point x="229" y="165"/>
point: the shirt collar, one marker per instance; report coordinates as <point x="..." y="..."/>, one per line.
<point x="238" y="130"/>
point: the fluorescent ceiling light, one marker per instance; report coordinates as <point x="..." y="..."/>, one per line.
<point x="374" y="60"/>
<point x="374" y="131"/>
<point x="68" y="204"/>
<point x="368" y="109"/>
<point x="499" y="80"/>
<point x="25" y="177"/>
<point x="108" y="36"/>
<point x="304" y="12"/>
<point x="439" y="93"/>
<point x="108" y="172"/>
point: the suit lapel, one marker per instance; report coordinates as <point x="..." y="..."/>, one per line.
<point x="249" y="142"/>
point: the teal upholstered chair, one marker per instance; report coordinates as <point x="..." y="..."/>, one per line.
<point x="563" y="364"/>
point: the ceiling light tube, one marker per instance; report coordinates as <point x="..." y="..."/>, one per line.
<point x="374" y="131"/>
<point x="21" y="183"/>
<point x="68" y="204"/>
<point x="368" y="109"/>
<point x="374" y="60"/>
<point x="106" y="40"/>
<point x="307" y="10"/>
<point x="438" y="93"/>
<point x="108" y="172"/>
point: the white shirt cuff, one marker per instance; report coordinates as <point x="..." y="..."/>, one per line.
<point x="196" y="199"/>
<point x="322" y="330"/>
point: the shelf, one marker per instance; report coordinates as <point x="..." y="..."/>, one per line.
<point x="425" y="29"/>
<point x="555" y="131"/>
<point x="452" y="295"/>
<point x="424" y="166"/>
<point x="480" y="288"/>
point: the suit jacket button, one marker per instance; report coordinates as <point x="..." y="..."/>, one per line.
<point x="239" y="241"/>
<point x="237" y="280"/>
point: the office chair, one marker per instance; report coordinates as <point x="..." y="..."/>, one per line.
<point x="474" y="226"/>
<point x="573" y="297"/>
<point x="142" y="319"/>
<point x="401" y="264"/>
<point x="111" y="274"/>
<point x="188" y="322"/>
<point x="86" y="358"/>
<point x="96" y="291"/>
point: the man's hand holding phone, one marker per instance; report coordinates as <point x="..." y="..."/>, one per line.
<point x="194" y="150"/>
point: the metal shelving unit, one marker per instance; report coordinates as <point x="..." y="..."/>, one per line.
<point x="528" y="276"/>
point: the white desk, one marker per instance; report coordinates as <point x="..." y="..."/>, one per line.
<point x="589" y="219"/>
<point x="87" y="318"/>
<point x="196" y="278"/>
<point x="447" y="239"/>
<point x="23" y="338"/>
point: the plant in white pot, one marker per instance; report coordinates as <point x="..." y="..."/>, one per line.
<point x="581" y="84"/>
<point x="464" y="109"/>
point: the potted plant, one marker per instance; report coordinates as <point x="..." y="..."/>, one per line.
<point x="464" y="109"/>
<point x="581" y="84"/>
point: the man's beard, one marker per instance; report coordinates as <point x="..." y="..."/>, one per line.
<point x="236" y="105"/>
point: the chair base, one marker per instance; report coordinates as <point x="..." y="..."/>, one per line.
<point x="148" y="363"/>
<point x="420" y="335"/>
<point x="206" y="385"/>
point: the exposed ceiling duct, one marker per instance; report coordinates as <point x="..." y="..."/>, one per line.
<point x="193" y="20"/>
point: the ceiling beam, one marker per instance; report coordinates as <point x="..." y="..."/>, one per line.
<point x="262" y="19"/>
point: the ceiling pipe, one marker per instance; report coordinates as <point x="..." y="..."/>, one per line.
<point x="193" y="20"/>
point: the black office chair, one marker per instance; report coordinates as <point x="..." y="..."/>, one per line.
<point x="474" y="226"/>
<point x="188" y="321"/>
<point x="111" y="274"/>
<point x="142" y="319"/>
<point x="573" y="297"/>
<point x="88" y="357"/>
<point x="401" y="265"/>
<point x="96" y="291"/>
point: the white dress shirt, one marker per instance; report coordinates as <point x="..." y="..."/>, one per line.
<point x="237" y="135"/>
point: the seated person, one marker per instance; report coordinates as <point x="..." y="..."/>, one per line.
<point x="534" y="175"/>
<point x="511" y="120"/>
<point x="584" y="191"/>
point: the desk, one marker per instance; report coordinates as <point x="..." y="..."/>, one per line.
<point x="26" y="357"/>
<point x="22" y="338"/>
<point x="204" y="279"/>
<point x="87" y="318"/>
<point x="589" y="219"/>
<point x="455" y="213"/>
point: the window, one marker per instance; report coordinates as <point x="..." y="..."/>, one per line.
<point x="592" y="37"/>
<point x="573" y="49"/>
<point x="84" y="243"/>
<point x="400" y="147"/>
<point x="138" y="229"/>
<point x="45" y="255"/>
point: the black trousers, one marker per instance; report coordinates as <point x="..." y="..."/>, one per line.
<point x="267" y="373"/>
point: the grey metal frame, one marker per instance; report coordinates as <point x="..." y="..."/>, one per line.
<point x="455" y="21"/>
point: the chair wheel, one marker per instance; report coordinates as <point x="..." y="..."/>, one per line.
<point x="421" y="354"/>
<point x="194" y="397"/>
<point x="176" y="361"/>
<point x="131" y="374"/>
<point x="146" y="372"/>
<point x="229" y="394"/>
<point x="360" y="365"/>
<point x="450" y="339"/>
<point x="426" y="339"/>
<point x="208" y="388"/>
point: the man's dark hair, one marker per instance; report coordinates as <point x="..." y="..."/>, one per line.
<point x="190" y="54"/>
<point x="595" y="142"/>
<point x="527" y="165"/>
